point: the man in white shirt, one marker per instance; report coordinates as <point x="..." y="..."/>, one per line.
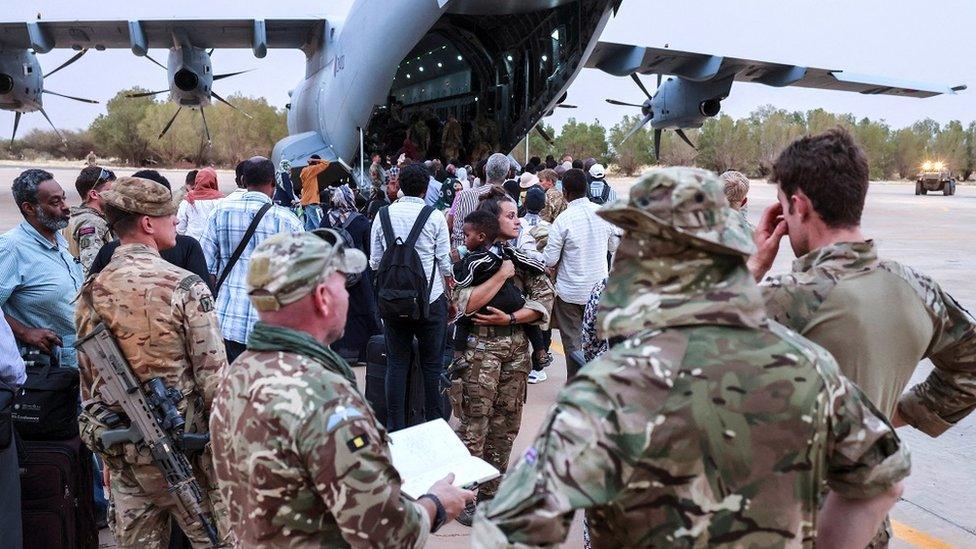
<point x="579" y="243"/>
<point x="434" y="248"/>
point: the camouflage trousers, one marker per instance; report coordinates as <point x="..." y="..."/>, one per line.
<point x="491" y="396"/>
<point x="143" y="504"/>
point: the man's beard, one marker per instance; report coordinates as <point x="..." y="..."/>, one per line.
<point x="53" y="224"/>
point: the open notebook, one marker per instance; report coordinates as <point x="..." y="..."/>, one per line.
<point x="426" y="453"/>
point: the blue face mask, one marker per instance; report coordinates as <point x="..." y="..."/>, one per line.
<point x="462" y="250"/>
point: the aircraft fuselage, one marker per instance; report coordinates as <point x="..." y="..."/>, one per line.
<point x="504" y="64"/>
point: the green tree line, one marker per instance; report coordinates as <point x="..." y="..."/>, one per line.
<point x="751" y="144"/>
<point x="129" y="133"/>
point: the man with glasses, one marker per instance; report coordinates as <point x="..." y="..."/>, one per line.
<point x="300" y="458"/>
<point x="88" y="229"/>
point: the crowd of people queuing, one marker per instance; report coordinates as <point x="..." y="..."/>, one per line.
<point x="710" y="409"/>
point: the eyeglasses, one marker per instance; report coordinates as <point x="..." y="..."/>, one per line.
<point x="338" y="248"/>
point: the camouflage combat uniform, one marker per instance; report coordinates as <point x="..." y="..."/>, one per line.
<point x="164" y="322"/>
<point x="301" y="459"/>
<point x="86" y="233"/>
<point x="555" y="205"/>
<point x="377" y="176"/>
<point x="492" y="390"/>
<point x="843" y="293"/>
<point x="710" y="424"/>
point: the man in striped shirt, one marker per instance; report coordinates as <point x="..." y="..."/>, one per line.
<point x="496" y="170"/>
<point x="578" y="247"/>
<point x="225" y="229"/>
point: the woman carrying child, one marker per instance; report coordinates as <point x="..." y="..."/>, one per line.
<point x="493" y="387"/>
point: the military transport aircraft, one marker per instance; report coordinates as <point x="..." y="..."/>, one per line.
<point x="455" y="78"/>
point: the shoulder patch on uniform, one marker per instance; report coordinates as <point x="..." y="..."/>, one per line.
<point x="189" y="281"/>
<point x="341" y="415"/>
<point x="358" y="443"/>
<point x="85" y="231"/>
<point x="206" y="304"/>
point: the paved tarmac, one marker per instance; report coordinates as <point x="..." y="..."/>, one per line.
<point x="934" y="234"/>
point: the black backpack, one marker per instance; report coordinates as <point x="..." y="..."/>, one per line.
<point x="402" y="285"/>
<point x="602" y="198"/>
<point x="46" y="405"/>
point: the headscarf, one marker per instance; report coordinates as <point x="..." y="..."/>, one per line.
<point x="462" y="175"/>
<point x="204" y="187"/>
<point x="343" y="204"/>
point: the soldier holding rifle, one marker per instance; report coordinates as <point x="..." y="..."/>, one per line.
<point x="161" y="320"/>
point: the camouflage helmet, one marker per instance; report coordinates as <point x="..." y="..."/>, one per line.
<point x="682" y="204"/>
<point x="140" y="196"/>
<point x="287" y="266"/>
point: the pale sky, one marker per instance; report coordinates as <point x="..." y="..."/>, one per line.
<point x="928" y="42"/>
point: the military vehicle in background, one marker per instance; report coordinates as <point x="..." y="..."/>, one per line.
<point x="935" y="176"/>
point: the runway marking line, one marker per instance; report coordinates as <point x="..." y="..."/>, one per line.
<point x="918" y="538"/>
<point x="904" y="532"/>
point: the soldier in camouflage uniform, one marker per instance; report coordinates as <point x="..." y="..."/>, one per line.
<point x="878" y="318"/>
<point x="710" y="423"/>
<point x="492" y="391"/>
<point x="300" y="457"/>
<point x="88" y="229"/>
<point x="164" y="322"/>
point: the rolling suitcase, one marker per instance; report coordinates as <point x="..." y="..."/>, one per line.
<point x="57" y="506"/>
<point x="376" y="363"/>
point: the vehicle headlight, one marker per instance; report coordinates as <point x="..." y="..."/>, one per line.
<point x="927" y="166"/>
<point x="939" y="165"/>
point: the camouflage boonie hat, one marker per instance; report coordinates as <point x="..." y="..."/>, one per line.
<point x="286" y="267"/>
<point x="140" y="196"/>
<point x="682" y="204"/>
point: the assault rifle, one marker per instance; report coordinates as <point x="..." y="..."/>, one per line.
<point x="153" y="420"/>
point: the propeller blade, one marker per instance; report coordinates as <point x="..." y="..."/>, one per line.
<point x="225" y="102"/>
<point x="659" y="80"/>
<point x="210" y="52"/>
<point x="16" y="123"/>
<point x="545" y="135"/>
<point x="640" y="85"/>
<point x="567" y="106"/>
<point x="144" y="94"/>
<point x="684" y="138"/>
<point x="170" y="123"/>
<point x="622" y="104"/>
<point x="83" y="100"/>
<point x="48" y="118"/>
<point x="229" y="74"/>
<point x="162" y="66"/>
<point x="206" y="130"/>
<point x="657" y="145"/>
<point x="635" y="129"/>
<point x="74" y="58"/>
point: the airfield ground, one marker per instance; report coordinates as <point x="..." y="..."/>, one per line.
<point x="934" y="234"/>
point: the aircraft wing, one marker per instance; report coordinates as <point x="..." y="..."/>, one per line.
<point x="623" y="60"/>
<point x="44" y="36"/>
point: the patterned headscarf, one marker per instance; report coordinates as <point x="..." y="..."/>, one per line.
<point x="343" y="204"/>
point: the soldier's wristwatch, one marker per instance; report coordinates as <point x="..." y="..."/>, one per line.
<point x="511" y="319"/>
<point x="440" y="517"/>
